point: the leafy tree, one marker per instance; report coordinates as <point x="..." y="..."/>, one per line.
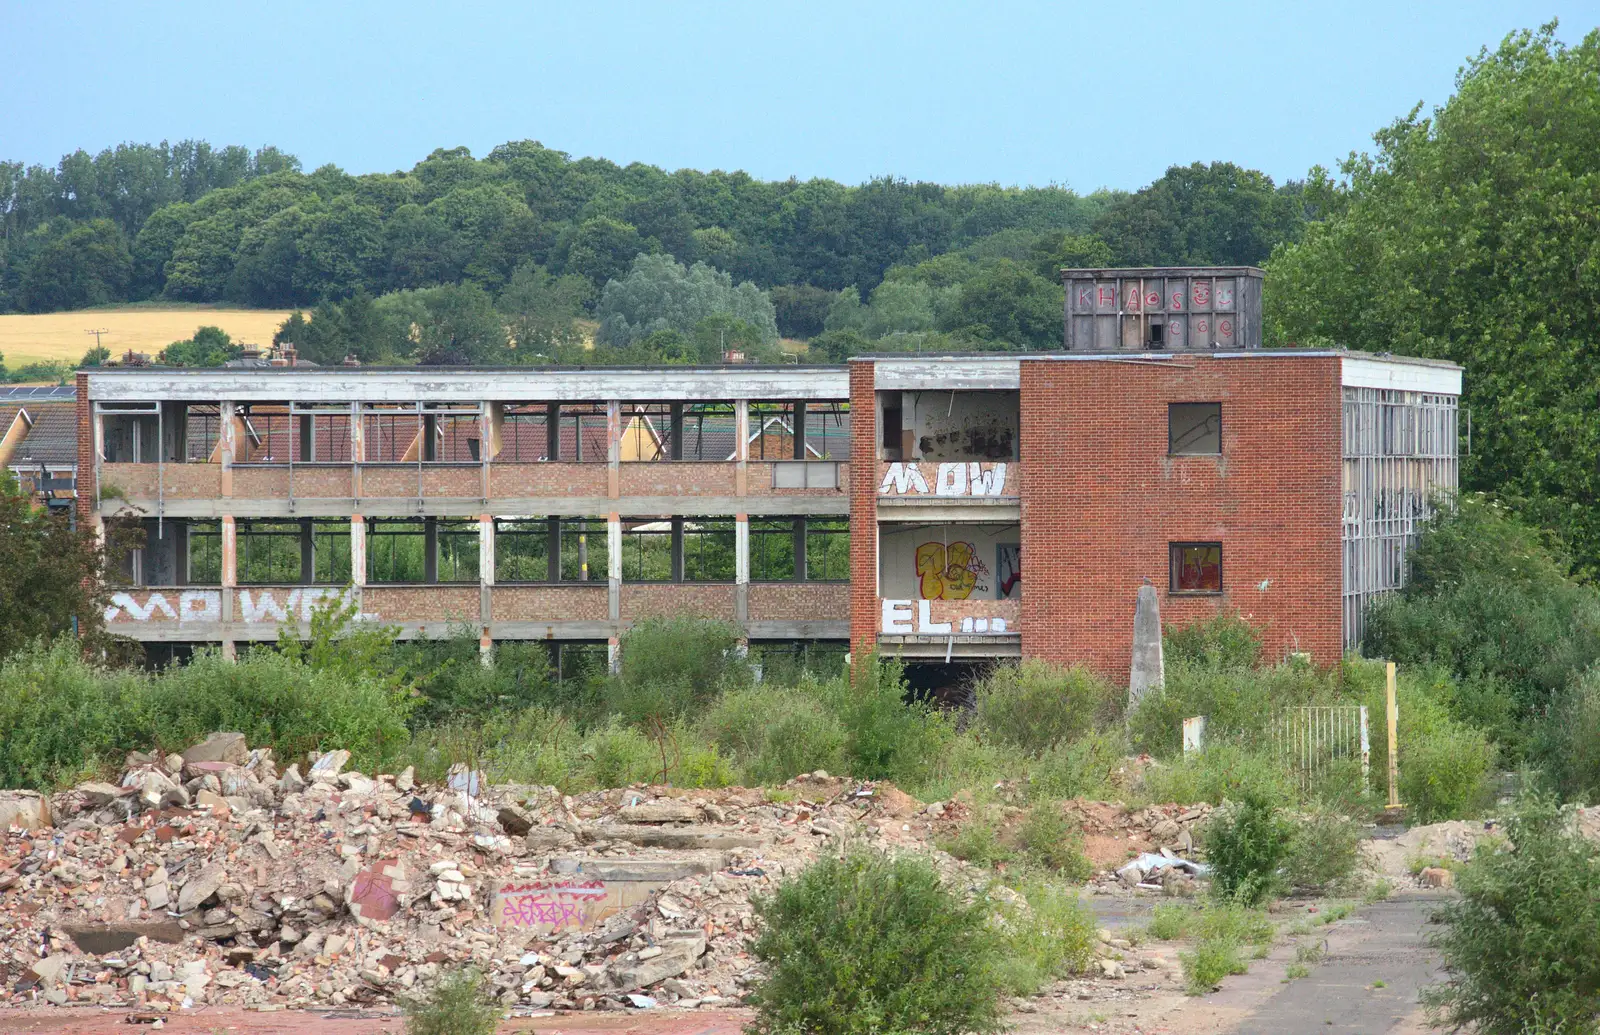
<point x="95" y="357"/>
<point x="1471" y="236"/>
<point x="54" y="574"/>
<point x="210" y="347"/>
<point x="601" y="250"/>
<point x="1008" y="303"/>
<point x="454" y="324"/>
<point x="1201" y="215"/>
<point x="89" y="264"/>
<point x="660" y="294"/>
<point x="800" y="309"/>
<point x="542" y="310"/>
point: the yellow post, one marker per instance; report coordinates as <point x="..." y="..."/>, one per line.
<point x="1393" y="711"/>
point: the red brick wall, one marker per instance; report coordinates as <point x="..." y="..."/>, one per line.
<point x="515" y="481"/>
<point x="709" y="600"/>
<point x="326" y="482"/>
<point x="1103" y="501"/>
<point x="421" y="603"/>
<point x="261" y="483"/>
<point x="676" y="478"/>
<point x="864" y="608"/>
<point x="797" y="601"/>
<point x="550" y="603"/>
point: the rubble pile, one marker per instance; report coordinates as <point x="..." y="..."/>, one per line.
<point x="215" y="877"/>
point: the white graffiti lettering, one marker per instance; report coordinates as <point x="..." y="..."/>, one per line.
<point x="205" y="605"/>
<point x="907" y="617"/>
<point x="952" y="479"/>
<point x="139" y="612"/>
<point x="261" y="605"/>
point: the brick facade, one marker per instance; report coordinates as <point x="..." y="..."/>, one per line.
<point x="421" y="603"/>
<point x="704" y="600"/>
<point x="1104" y="500"/>
<point x="677" y="478"/>
<point x="864" y="609"/>
<point x="798" y="601"/>
<point x="549" y="603"/>
<point x="513" y="481"/>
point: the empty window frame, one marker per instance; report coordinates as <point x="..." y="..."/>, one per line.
<point x="129" y="438"/>
<point x="458" y="550"/>
<point x="524" y="434"/>
<point x="827" y="549"/>
<point x="647" y="551"/>
<point x="522" y="550"/>
<point x="708" y="550"/>
<point x="272" y="552"/>
<point x="1194" y="429"/>
<point x="202" y="426"/>
<point x="772" y="549"/>
<point x="205" y="553"/>
<point x="1196" y="568"/>
<point x="584" y="550"/>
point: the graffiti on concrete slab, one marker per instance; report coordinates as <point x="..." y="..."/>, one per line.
<point x="950" y="571"/>
<point x="205" y="605"/>
<point x="951" y="479"/>
<point x="915" y="618"/>
<point x="549" y="906"/>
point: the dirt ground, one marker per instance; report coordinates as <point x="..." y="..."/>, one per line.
<point x="217" y="1021"/>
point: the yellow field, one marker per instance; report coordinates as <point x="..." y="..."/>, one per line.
<point x="30" y="338"/>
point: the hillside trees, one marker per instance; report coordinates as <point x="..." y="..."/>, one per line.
<point x="659" y="294"/>
<point x="1201" y="215"/>
<point x="1471" y="235"/>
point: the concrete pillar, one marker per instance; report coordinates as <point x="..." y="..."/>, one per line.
<point x="230" y="580"/>
<point x="227" y="443"/>
<point x="675" y="432"/>
<point x="614" y="565"/>
<point x="1148" y="670"/>
<point x="800" y="429"/>
<point x="614" y="448"/>
<point x="741" y="454"/>
<point x="552" y="431"/>
<point x="485" y="585"/>
<point x="677" y="549"/>
<point x="358" y="551"/>
<point x="800" y="549"/>
<point x="741" y="567"/>
<point x="430" y="550"/>
<point x="358" y="454"/>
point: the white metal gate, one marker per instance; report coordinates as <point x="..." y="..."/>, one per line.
<point x="1309" y="740"/>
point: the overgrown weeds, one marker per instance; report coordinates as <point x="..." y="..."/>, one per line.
<point x="458" y="1005"/>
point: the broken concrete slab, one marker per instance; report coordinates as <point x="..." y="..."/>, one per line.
<point x="639" y="869"/>
<point x="100" y="939"/>
<point x="660" y="812"/>
<point x="515" y="820"/>
<point x="326" y="768"/>
<point x="201" y="887"/>
<point x="219" y="747"/>
<point x="28" y="810"/>
<point x="678" y="837"/>
<point x="97" y="795"/>
<point x="678" y="953"/>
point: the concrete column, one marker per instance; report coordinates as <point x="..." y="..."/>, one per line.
<point x="800" y="549"/>
<point x="552" y="431"/>
<point x="741" y="567"/>
<point x="358" y="454"/>
<point x="741" y="454"/>
<point x="230" y="580"/>
<point x="430" y="550"/>
<point x="485" y="586"/>
<point x="614" y="448"/>
<point x="227" y="443"/>
<point x="675" y="432"/>
<point x="677" y="549"/>
<point x="358" y="551"/>
<point x="800" y="429"/>
<point x="489" y="445"/>
<point x="614" y="564"/>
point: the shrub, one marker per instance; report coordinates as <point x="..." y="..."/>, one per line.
<point x="1227" y="641"/>
<point x="1054" y="937"/>
<point x="776" y="733"/>
<point x="1211" y="960"/>
<point x="977" y="841"/>
<point x="887" y="736"/>
<point x="1050" y="841"/>
<point x="1169" y="921"/>
<point x="1035" y="706"/>
<point x="1083" y="768"/>
<point x="1570" y="739"/>
<point x="1245" y="843"/>
<point x="1522" y="942"/>
<point x="453" y="683"/>
<point x="1238" y="703"/>
<point x="1221" y="772"/>
<point x="869" y="944"/>
<point x="1324" y="852"/>
<point x="457" y="1005"/>
<point x="62" y="718"/>
<point x="671" y="666"/>
<point x="534" y="746"/>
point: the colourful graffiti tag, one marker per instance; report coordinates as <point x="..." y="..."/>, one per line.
<point x="948" y="572"/>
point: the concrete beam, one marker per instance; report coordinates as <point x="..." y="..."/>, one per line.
<point x="522" y="506"/>
<point x="520" y="384"/>
<point x="970" y="373"/>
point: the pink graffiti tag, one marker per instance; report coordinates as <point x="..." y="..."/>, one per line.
<point x="529" y="910"/>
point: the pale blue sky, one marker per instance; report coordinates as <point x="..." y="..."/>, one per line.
<point x="1088" y="95"/>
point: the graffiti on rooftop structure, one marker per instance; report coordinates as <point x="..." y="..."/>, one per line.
<point x="950" y="479"/>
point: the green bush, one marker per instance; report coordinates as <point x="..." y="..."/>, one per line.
<point x="1169" y="921"/>
<point x="1324" y="853"/>
<point x="62" y="718"/>
<point x="1246" y="842"/>
<point x="674" y="666"/>
<point x="1522" y="942"/>
<point x="1050" y="841"/>
<point x="1035" y="706"/>
<point x="1211" y="960"/>
<point x="869" y="944"/>
<point x="776" y="733"/>
<point x="887" y="736"/>
<point x="1227" y="641"/>
<point x="1238" y="703"/>
<point x="977" y="841"/>
<point x="1087" y="767"/>
<point x="1221" y="772"/>
<point x="458" y="1005"/>
<point x="1053" y="938"/>
<point x="533" y="746"/>
<point x="453" y="683"/>
<point x="1569" y="740"/>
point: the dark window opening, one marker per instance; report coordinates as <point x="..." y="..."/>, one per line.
<point x="1158" y="335"/>
<point x="892" y="417"/>
<point x="1196" y="568"/>
<point x="1194" y="429"/>
<point x="827" y="549"/>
